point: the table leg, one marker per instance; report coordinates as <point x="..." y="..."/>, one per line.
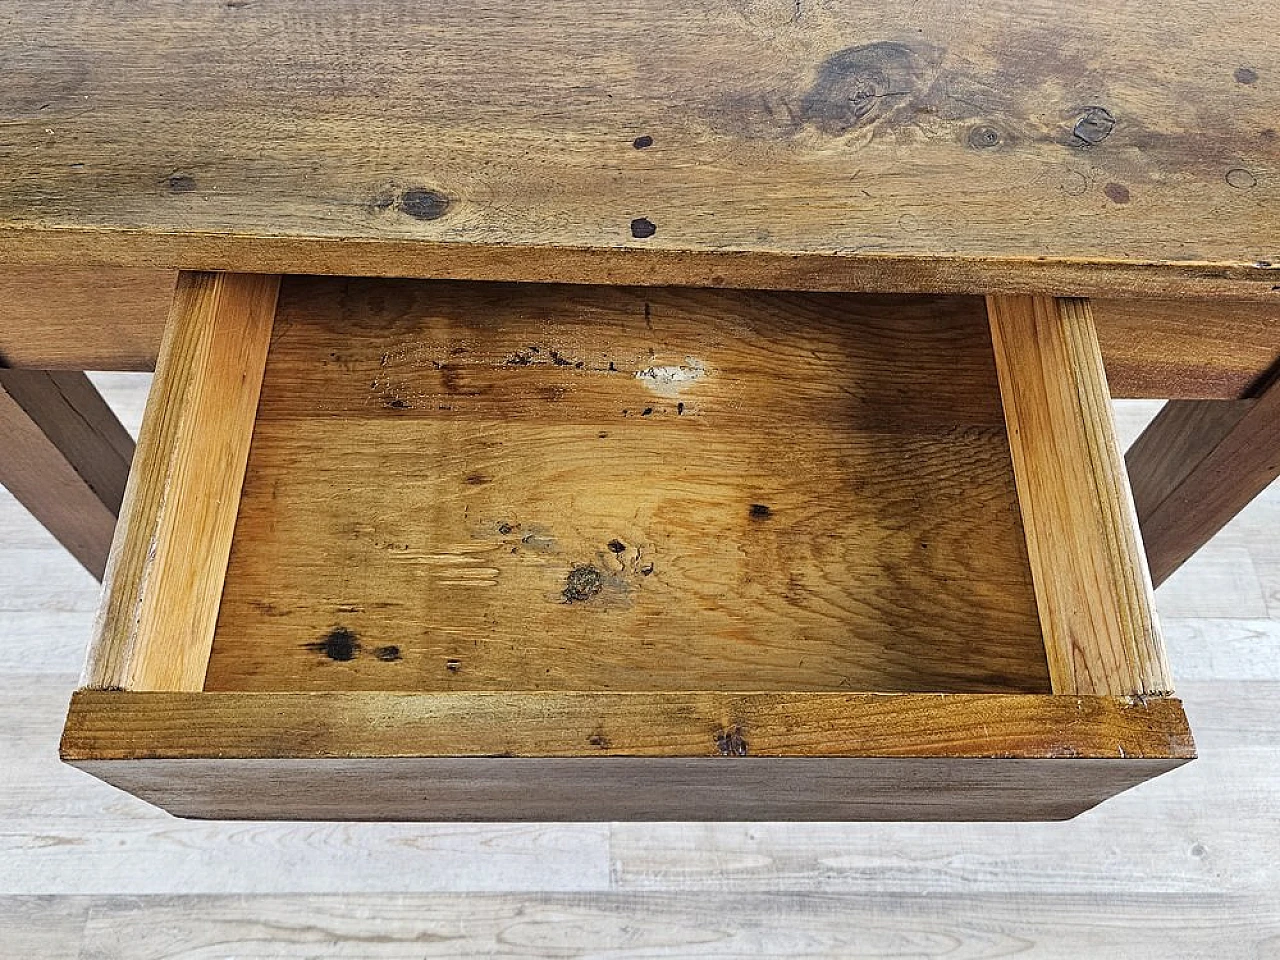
<point x="1196" y="466"/>
<point x="66" y="458"/>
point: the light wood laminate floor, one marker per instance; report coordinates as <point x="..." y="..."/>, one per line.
<point x="1185" y="866"/>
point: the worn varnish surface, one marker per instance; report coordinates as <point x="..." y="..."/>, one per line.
<point x="471" y="487"/>
<point x="1057" y="147"/>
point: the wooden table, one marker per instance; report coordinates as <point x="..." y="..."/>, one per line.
<point x="1119" y="150"/>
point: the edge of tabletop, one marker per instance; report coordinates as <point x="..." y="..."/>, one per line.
<point x="653" y="264"/>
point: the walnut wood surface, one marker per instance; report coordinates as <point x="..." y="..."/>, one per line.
<point x="1196" y="466"/>
<point x="66" y="458"/>
<point x="695" y="756"/>
<point x="651" y="789"/>
<point x="70" y="317"/>
<point x="1082" y="148"/>
<point x="460" y="486"/>
<point x="164" y="576"/>
<point x="1187" y="349"/>
<point x="1091" y="580"/>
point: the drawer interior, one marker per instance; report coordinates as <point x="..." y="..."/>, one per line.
<point x="465" y="486"/>
<point x="457" y="550"/>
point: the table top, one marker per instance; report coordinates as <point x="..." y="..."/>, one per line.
<point x="1101" y="146"/>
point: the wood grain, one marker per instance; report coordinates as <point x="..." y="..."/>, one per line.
<point x="785" y="789"/>
<point x="714" y="923"/>
<point x="51" y="928"/>
<point x="70" y="834"/>
<point x="168" y="559"/>
<point x="70" y="317"/>
<point x="465" y="486"/>
<point x="66" y="458"/>
<point x="623" y="756"/>
<point x="1197" y="465"/>
<point x="1169" y="837"/>
<point x="1173" y="443"/>
<point x="1183" y="864"/>
<point x="1091" y="581"/>
<point x="388" y="411"/>
<point x="1187" y="349"/>
<point x="52" y="318"/>
<point x="889" y="146"/>
<point x="116" y="725"/>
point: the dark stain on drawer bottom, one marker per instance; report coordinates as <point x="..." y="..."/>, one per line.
<point x="338" y="644"/>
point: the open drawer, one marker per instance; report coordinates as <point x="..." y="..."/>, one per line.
<point x="456" y="550"/>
